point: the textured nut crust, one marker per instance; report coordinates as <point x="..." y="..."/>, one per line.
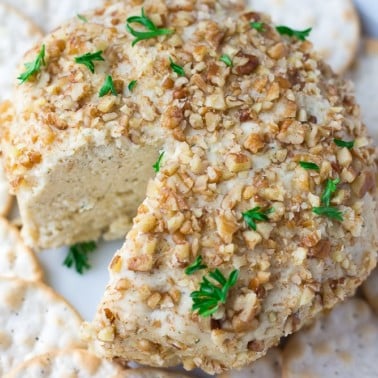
<point x="296" y="263"/>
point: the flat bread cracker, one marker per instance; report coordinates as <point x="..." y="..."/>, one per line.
<point x="73" y="363"/>
<point x="33" y="320"/>
<point x="16" y="260"/>
<point x="34" y="9"/>
<point x="59" y="12"/>
<point x="365" y="77"/>
<point x="335" y="23"/>
<point x="268" y="366"/>
<point x="152" y="373"/>
<point x="17" y="35"/>
<point x="343" y="343"/>
<point x="370" y="290"/>
<point x="6" y="199"/>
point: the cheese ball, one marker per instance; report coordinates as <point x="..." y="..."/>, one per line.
<point x="260" y="211"/>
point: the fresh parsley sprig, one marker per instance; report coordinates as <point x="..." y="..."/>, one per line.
<point x="108" y="87"/>
<point x="196" y="266"/>
<point x="329" y="212"/>
<point x="343" y="143"/>
<point x="156" y="166"/>
<point x="177" y="68"/>
<point x="309" y="165"/>
<point x="78" y="256"/>
<point x="226" y="59"/>
<point x="210" y="295"/>
<point x="254" y="215"/>
<point x="153" y="30"/>
<point x="82" y="18"/>
<point x="132" y="85"/>
<point x="33" y="68"/>
<point x="88" y="59"/>
<point x="330" y="189"/>
<point x="299" y="34"/>
<point x="259" y="26"/>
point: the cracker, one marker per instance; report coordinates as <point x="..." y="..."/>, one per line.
<point x="343" y="343"/>
<point x="34" y="9"/>
<point x="59" y="12"/>
<point x="17" y="35"/>
<point x="6" y="199"/>
<point x="33" y="320"/>
<point x="268" y="366"/>
<point x="68" y="363"/>
<point x="16" y="260"/>
<point x="365" y="77"/>
<point x="152" y="373"/>
<point x="370" y="290"/>
<point x="335" y="23"/>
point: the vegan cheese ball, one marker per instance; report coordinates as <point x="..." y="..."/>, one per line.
<point x="262" y="210"/>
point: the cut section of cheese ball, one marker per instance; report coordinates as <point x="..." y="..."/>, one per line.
<point x="264" y="183"/>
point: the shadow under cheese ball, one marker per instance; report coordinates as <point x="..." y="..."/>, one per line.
<point x="247" y="157"/>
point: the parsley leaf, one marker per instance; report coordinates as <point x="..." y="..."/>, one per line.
<point x="153" y="30"/>
<point x="176" y="68"/>
<point x="132" y="85"/>
<point x="156" y="166"/>
<point x="33" y="68"/>
<point x="256" y="214"/>
<point x="259" y="26"/>
<point x="82" y="18"/>
<point x="226" y="60"/>
<point x="108" y="87"/>
<point x="331" y="187"/>
<point x="309" y="165"/>
<point x="78" y="256"/>
<point x="88" y="59"/>
<point x="343" y="143"/>
<point x="196" y="266"/>
<point x="299" y="34"/>
<point x="208" y="298"/>
<point x="329" y="211"/>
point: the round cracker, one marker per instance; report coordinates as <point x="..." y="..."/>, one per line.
<point x="150" y="372"/>
<point x="268" y="366"/>
<point x="370" y="290"/>
<point x="34" y="9"/>
<point x="343" y="343"/>
<point x="33" y="320"/>
<point x="365" y="77"/>
<point x="16" y="260"/>
<point x="17" y="35"/>
<point x="335" y="23"/>
<point x="6" y="199"/>
<point x="68" y="363"/>
<point x="58" y="12"/>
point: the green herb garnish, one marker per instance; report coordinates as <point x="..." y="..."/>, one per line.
<point x="343" y="143"/>
<point x="254" y="215"/>
<point x="153" y="30"/>
<point x="78" y="256"/>
<point x="156" y="166"/>
<point x="82" y="18"/>
<point x="196" y="266"/>
<point x="33" y="67"/>
<point x="299" y="34"/>
<point x="210" y="296"/>
<point x="259" y="26"/>
<point x="331" y="187"/>
<point x="329" y="211"/>
<point x="88" y="59"/>
<point x="308" y="165"/>
<point x="108" y="87"/>
<point x="226" y="60"/>
<point x="132" y="85"/>
<point x="176" y="68"/>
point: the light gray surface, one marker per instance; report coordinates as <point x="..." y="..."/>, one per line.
<point x="369" y="13"/>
